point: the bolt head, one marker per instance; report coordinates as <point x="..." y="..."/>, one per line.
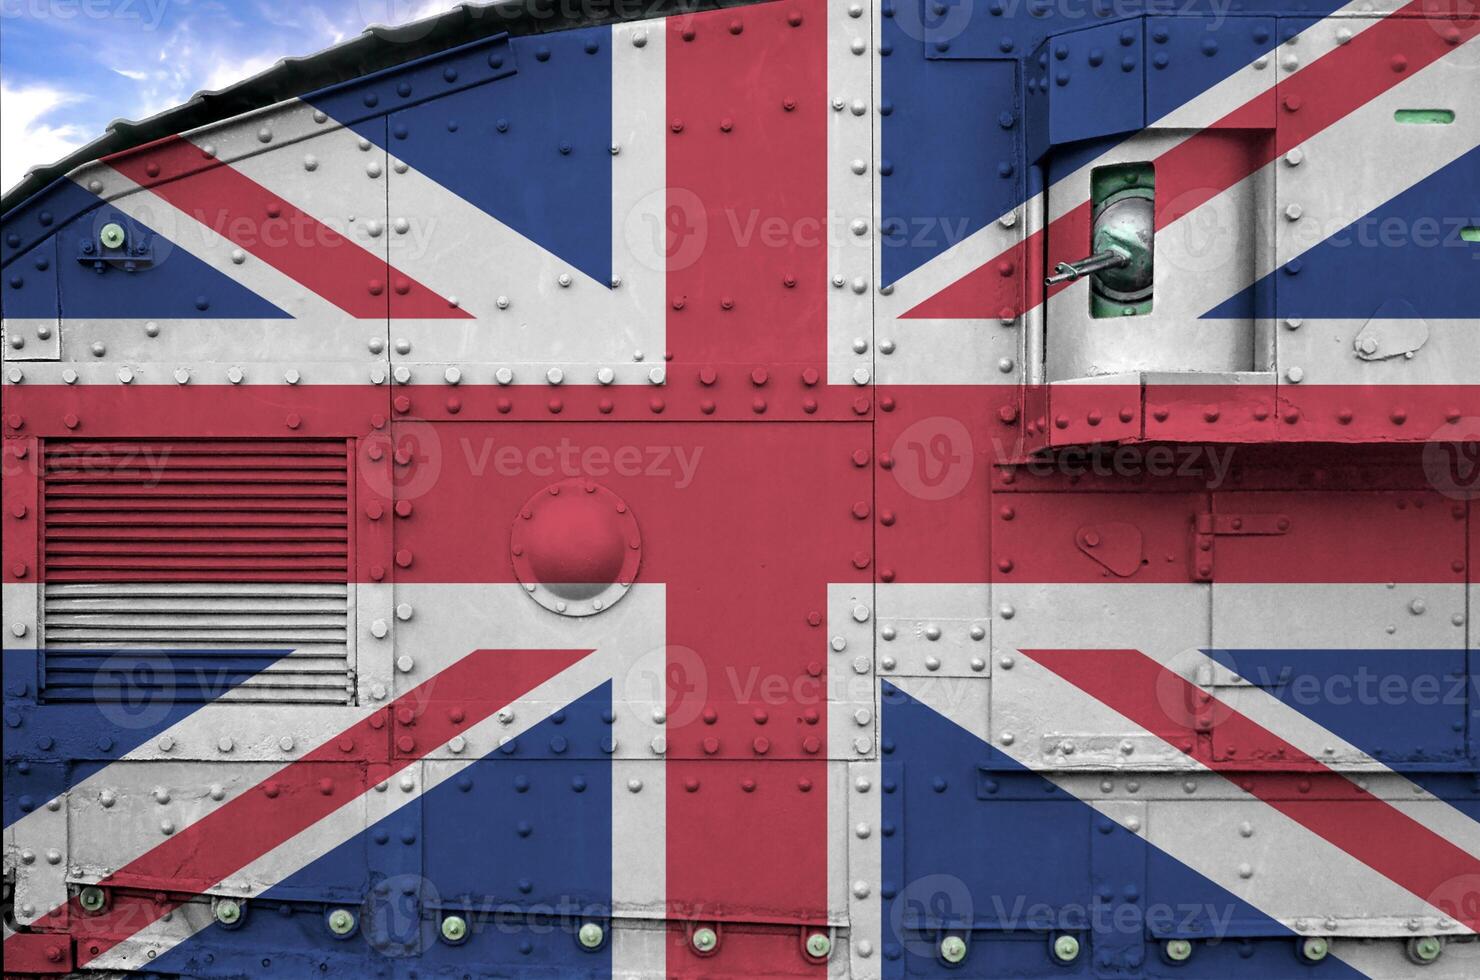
<point x="112" y="235"/>
<point x="341" y="922"/>
<point x="705" y="939"/>
<point x="1425" y="949"/>
<point x="819" y="945"/>
<point x="1314" y="948"/>
<point x="1066" y="949"/>
<point x="454" y="929"/>
<point x="1178" y="950"/>
<point x="228" y="911"/>
<point x="953" y="949"/>
<point x="591" y="935"/>
<point x="92" y="899"/>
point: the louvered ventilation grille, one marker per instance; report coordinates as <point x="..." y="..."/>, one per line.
<point x="197" y="570"/>
<point x="208" y="511"/>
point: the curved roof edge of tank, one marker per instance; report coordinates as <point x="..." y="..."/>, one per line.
<point x="376" y="49"/>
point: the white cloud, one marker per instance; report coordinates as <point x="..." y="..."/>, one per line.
<point x="137" y="76"/>
<point x="26" y="138"/>
<point x="227" y="73"/>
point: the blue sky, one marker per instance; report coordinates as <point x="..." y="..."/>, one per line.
<point x="69" y="67"/>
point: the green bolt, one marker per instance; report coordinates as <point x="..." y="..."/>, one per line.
<point x="591" y="935"/>
<point x="341" y="922"/>
<point x="1424" y="950"/>
<point x="705" y="939"/>
<point x="228" y="911"/>
<point x="1066" y="949"/>
<point x="1178" y="950"/>
<point x="112" y="235"/>
<point x="1314" y="948"/>
<point x="92" y="899"/>
<point x="953" y="949"/>
<point x="819" y="945"/>
<point x="454" y="928"/>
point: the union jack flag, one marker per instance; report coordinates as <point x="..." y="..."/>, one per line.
<point x="623" y="501"/>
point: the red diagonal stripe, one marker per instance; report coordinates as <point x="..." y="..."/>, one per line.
<point x="1325" y="802"/>
<point x="279" y="233"/>
<point x="310" y="789"/>
<point x="1200" y="168"/>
